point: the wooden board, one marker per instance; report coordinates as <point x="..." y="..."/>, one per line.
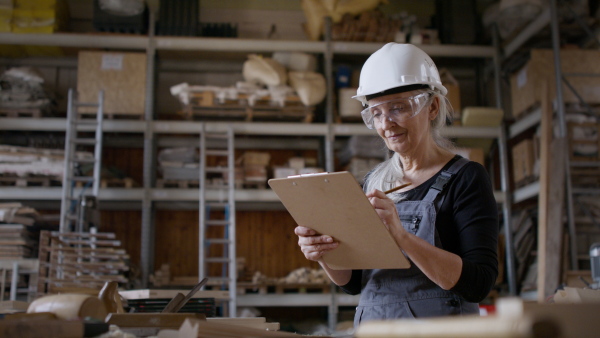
<point x="170" y="293"/>
<point x="551" y="197"/>
<point x="334" y="204"/>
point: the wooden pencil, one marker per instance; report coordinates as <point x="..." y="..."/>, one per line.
<point x="397" y="188"/>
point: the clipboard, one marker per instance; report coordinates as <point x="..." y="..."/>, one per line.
<point x="334" y="204"/>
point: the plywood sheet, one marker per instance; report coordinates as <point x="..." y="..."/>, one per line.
<point x="334" y="204"/>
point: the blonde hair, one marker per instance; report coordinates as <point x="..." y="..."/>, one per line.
<point x="386" y="174"/>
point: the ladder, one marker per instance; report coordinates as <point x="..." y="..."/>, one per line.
<point x="78" y="134"/>
<point x="217" y="256"/>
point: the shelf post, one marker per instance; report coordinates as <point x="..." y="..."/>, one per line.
<point x="560" y="108"/>
<point x="329" y="136"/>
<point x="147" y="240"/>
<point x="504" y="179"/>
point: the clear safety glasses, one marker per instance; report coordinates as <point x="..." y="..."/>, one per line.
<point x="397" y="110"/>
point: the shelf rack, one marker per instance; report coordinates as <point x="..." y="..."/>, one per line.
<point x="150" y="196"/>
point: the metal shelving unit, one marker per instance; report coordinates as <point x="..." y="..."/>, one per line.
<point x="149" y="196"/>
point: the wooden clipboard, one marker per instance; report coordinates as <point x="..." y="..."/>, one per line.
<point x="334" y="204"/>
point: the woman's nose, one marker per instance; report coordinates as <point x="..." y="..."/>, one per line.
<point x="387" y="121"/>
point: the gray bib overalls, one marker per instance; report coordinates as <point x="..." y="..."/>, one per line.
<point x="408" y="293"/>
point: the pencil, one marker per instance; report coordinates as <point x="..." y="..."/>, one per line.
<point x="396" y="188"/>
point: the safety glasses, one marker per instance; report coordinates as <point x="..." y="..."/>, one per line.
<point x="396" y="110"/>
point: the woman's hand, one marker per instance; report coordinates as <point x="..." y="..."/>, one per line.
<point x="387" y="212"/>
<point x="312" y="244"/>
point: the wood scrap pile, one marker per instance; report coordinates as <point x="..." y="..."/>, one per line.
<point x="298" y="276"/>
<point x="80" y="260"/>
<point x="17" y="240"/>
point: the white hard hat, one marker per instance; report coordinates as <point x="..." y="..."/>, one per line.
<point x="397" y="65"/>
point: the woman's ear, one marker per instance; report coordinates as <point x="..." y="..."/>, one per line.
<point x="434" y="108"/>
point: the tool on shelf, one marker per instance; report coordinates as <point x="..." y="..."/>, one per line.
<point x="180" y="300"/>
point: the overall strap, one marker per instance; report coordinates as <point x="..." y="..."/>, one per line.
<point x="442" y="181"/>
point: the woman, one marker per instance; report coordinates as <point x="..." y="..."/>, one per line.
<point x="445" y="222"/>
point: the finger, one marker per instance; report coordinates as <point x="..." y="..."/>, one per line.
<point x="318" y="250"/>
<point x="304" y="231"/>
<point x="314" y="240"/>
<point x="376" y="193"/>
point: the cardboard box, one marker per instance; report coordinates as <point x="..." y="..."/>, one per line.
<point x="296" y="162"/>
<point x="453" y="92"/>
<point x="540" y="68"/>
<point x="347" y="106"/>
<point x="473" y="154"/>
<point x="283" y="172"/>
<point x="122" y="77"/>
<point x="255" y="158"/>
<point x="523" y="160"/>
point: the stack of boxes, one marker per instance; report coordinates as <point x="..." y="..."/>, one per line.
<point x="255" y="168"/>
<point x="39" y="16"/>
<point x="6" y="10"/>
<point x="297" y="166"/>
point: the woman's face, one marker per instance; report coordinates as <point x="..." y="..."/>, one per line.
<point x="410" y="135"/>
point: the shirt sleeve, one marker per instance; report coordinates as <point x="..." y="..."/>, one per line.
<point x="475" y="215"/>
<point x="353" y="287"/>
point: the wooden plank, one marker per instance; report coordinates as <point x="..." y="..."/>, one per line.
<point x="157" y="293"/>
<point x="41" y="328"/>
<point x="551" y="196"/>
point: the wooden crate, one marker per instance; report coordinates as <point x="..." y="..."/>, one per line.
<point x="122" y="77"/>
<point x="204" y="105"/>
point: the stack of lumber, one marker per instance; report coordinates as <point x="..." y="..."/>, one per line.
<point x="16" y="239"/>
<point x="80" y="260"/>
<point x="18" y="165"/>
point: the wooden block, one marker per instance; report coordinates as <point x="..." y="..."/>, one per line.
<point x="41" y="328"/>
<point x="161" y="320"/>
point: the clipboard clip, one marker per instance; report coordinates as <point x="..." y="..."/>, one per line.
<point x="308" y="175"/>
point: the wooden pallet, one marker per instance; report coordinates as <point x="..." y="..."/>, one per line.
<point x="80" y="260"/>
<point x="281" y="288"/>
<point x="182" y="184"/>
<point x="30" y="181"/>
<point x="21" y="112"/>
<point x="250" y="113"/>
<point x="117" y="183"/>
<point x="112" y="116"/>
<point x="195" y="184"/>
<point x="112" y="183"/>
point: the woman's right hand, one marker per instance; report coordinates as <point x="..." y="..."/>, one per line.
<point x="313" y="244"/>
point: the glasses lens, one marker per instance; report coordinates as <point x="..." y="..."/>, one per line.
<point x="397" y="110"/>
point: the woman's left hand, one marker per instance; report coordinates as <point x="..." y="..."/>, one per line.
<point x="386" y="210"/>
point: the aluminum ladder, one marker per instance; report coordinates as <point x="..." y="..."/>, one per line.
<point x="217" y="252"/>
<point x="78" y="134"/>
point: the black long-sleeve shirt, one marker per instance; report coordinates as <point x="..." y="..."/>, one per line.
<point x="467" y="223"/>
